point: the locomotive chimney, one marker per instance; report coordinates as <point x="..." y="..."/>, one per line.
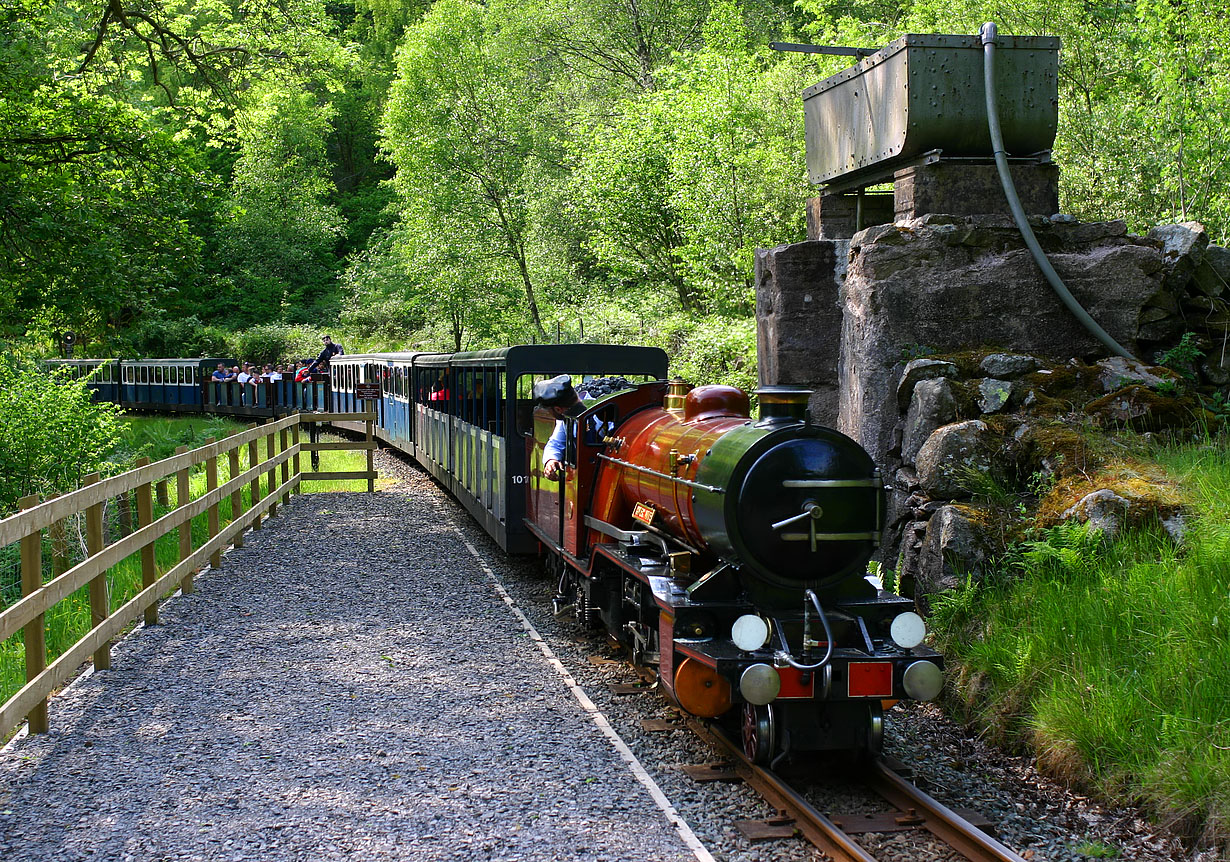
<point x="782" y="404"/>
<point x="676" y="392"/>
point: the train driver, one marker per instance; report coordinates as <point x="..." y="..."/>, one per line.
<point x="558" y="396"/>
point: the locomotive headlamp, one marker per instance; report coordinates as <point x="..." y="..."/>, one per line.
<point x="750" y="632"/>
<point x="908" y="630"/>
<point x="760" y="684"/>
<point x="922" y="680"/>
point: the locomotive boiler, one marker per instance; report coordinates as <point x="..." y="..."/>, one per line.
<point x="731" y="552"/>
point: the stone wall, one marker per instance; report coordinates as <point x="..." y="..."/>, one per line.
<point x="851" y="323"/>
<point x="944" y="283"/>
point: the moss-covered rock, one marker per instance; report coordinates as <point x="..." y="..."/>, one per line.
<point x="1140" y="408"/>
<point x="1150" y="493"/>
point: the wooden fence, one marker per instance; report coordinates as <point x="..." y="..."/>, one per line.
<point x="279" y="472"/>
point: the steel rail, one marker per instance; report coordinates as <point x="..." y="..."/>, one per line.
<point x="940" y="820"/>
<point x="821" y="832"/>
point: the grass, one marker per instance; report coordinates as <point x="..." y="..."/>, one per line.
<point x="157" y="436"/>
<point x="1112" y="660"/>
<point x="69" y="619"/>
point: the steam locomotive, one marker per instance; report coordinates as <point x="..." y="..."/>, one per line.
<point x="727" y="550"/>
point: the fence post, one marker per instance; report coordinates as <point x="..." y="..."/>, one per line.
<point x="314" y="437"/>
<point x="183" y="495"/>
<point x="371" y="454"/>
<point x="253" y="460"/>
<point x="34" y="634"/>
<point x="294" y="434"/>
<point x="211" y="484"/>
<point x="272" y="474"/>
<point x="100" y="598"/>
<point x="232" y="458"/>
<point x="145" y="517"/>
<point x="160" y="493"/>
<point x="284" y="441"/>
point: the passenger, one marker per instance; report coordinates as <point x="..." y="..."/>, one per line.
<point x="244" y="378"/>
<point x="220" y="374"/>
<point x="271" y="374"/>
<point x="330" y="350"/>
<point x="303" y="372"/>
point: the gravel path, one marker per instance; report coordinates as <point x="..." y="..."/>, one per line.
<point x="346" y="686"/>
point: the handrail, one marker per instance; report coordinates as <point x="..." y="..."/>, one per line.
<point x="27" y="526"/>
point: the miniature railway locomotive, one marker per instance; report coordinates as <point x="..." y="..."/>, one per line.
<point x="731" y="553"/>
<point x="728" y="551"/>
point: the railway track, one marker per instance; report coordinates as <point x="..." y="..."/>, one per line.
<point x="834" y="835"/>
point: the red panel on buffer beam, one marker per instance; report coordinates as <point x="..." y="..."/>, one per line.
<point x="871" y="679"/>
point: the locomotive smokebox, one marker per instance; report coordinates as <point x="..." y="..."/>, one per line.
<point x="924" y="94"/>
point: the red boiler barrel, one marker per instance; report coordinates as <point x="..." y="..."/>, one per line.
<point x="669" y="441"/>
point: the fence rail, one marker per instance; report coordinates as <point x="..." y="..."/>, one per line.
<point x="279" y="472"/>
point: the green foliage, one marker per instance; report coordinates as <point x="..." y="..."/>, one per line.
<point x="916" y="351"/>
<point x="281" y="231"/>
<point x="51" y="434"/>
<point x="1182" y="357"/>
<point x="273" y="342"/>
<point x="1111" y="658"/>
<point x="158" y="336"/>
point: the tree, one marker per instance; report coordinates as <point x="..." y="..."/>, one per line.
<point x="51" y="434"/>
<point x="459" y="129"/>
<point x="281" y="230"/>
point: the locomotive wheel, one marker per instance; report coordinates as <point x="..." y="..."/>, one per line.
<point x="759" y="733"/>
<point x="875" y="729"/>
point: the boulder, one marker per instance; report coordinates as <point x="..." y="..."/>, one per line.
<point x="1212" y="276"/>
<point x="1176" y="527"/>
<point x="1118" y="372"/>
<point x="1102" y="510"/>
<point x="993" y="394"/>
<point x="1139" y="408"/>
<point x="950" y="453"/>
<point x="954" y="547"/>
<point x="917" y="370"/>
<point x="933" y="405"/>
<point x="1183" y="248"/>
<point x="1216" y="366"/>
<point x="1008" y="366"/>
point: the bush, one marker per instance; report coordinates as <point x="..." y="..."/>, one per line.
<point x="51" y="433"/>
<point x="276" y="342"/>
<point x="716" y="350"/>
